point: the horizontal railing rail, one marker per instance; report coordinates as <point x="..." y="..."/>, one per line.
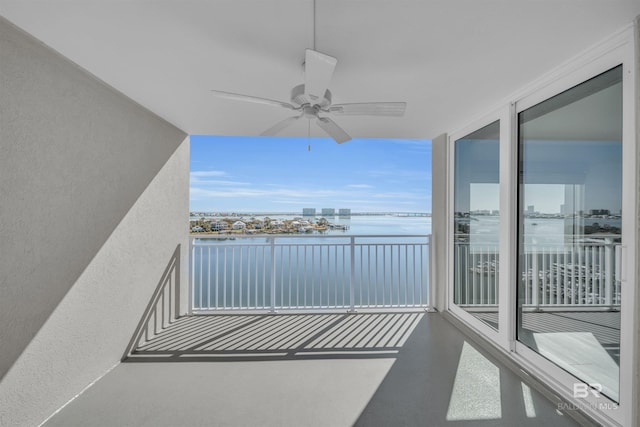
<point x="582" y="274"/>
<point x="302" y="272"/>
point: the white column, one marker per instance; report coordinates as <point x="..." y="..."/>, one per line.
<point x="439" y="229"/>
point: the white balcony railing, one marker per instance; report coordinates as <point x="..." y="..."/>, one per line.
<point x="581" y="275"/>
<point x="279" y="272"/>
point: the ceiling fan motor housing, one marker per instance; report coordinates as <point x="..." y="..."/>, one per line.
<point x="299" y="98"/>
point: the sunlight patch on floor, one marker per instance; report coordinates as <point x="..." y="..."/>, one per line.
<point x="528" y="401"/>
<point x="476" y="388"/>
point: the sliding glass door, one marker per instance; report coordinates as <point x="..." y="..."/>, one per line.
<point x="570" y="228"/>
<point x="476" y="223"/>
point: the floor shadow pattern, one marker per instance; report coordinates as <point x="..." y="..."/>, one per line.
<point x="604" y="325"/>
<point x="278" y="337"/>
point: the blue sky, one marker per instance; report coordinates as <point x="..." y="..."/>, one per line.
<point x="276" y="174"/>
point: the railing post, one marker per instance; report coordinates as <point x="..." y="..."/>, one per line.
<point x="609" y="262"/>
<point x="192" y="273"/>
<point x="352" y="276"/>
<point x="535" y="279"/>
<point x="272" y="284"/>
<point x="617" y="277"/>
<point x="176" y="284"/>
<point x="431" y="291"/>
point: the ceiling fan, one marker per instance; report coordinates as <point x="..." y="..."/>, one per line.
<point x="312" y="100"/>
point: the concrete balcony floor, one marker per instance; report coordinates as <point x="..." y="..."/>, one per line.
<point x="391" y="369"/>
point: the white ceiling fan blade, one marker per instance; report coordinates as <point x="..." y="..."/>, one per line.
<point x="333" y="130"/>
<point x="254" y="99"/>
<point x="370" y="109"/>
<point x="278" y="127"/>
<point x="318" y="70"/>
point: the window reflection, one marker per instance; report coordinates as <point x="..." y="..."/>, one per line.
<point x="476" y="223"/>
<point x="570" y="199"/>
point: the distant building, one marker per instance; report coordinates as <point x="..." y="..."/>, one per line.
<point x="328" y="212"/>
<point x="530" y="210"/>
<point x="239" y="225"/>
<point x="344" y="212"/>
<point x="219" y="226"/>
<point x="309" y="212"/>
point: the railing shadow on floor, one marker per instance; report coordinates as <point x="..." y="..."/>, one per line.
<point x="163" y="309"/>
<point x="224" y="338"/>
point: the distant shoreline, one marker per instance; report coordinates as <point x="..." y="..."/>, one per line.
<point x="194" y="214"/>
<point x="297" y="224"/>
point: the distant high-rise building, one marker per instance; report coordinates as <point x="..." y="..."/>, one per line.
<point x="309" y="212"/>
<point x="530" y="210"/>
<point x="328" y="212"/>
<point x="344" y="212"/>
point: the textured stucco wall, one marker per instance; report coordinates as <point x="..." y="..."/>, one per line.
<point x="93" y="204"/>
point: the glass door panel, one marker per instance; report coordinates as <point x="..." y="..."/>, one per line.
<point x="477" y="223"/>
<point x="570" y="201"/>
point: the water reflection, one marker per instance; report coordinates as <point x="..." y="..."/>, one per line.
<point x="570" y="169"/>
<point x="477" y="223"/>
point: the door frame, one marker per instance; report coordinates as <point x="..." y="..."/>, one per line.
<point x="619" y="49"/>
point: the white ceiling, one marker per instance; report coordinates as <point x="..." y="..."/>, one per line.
<point x="448" y="59"/>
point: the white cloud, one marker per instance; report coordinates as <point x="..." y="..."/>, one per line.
<point x="217" y="182"/>
<point x="359" y="186"/>
<point x="399" y="195"/>
<point x="203" y="178"/>
<point x="422" y="143"/>
<point x="205" y="174"/>
<point x="401" y="176"/>
<point x="256" y="192"/>
<point x="358" y="197"/>
<point x="293" y="202"/>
